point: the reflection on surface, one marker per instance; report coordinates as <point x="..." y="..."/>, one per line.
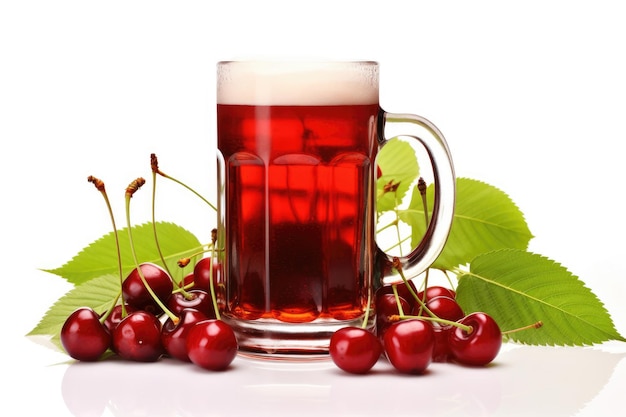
<point x="556" y="381"/>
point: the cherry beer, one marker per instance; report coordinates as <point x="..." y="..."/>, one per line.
<point x="296" y="157"/>
<point x="297" y="209"/>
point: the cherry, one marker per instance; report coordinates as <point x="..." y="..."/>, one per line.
<point x="187" y="281"/>
<point x="386" y="306"/>
<point x="403" y="291"/>
<point x="409" y="345"/>
<point x="137" y="295"/>
<point x="115" y="317"/>
<point x="211" y="344"/>
<point x="354" y="349"/>
<point x="436" y="291"/>
<point x="441" y="350"/>
<point x="83" y="337"/>
<point x="202" y="273"/>
<point x="174" y="335"/>
<point x="138" y="337"/>
<point x="443" y="307"/>
<point x="478" y="347"/>
<point x="196" y="299"/>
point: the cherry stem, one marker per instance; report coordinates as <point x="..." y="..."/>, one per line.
<point x="180" y="289"/>
<point x="445" y="272"/>
<point x="156" y="170"/>
<point x="535" y="325"/>
<point x="154" y="230"/>
<point x="431" y="316"/>
<point x="183" y="262"/>
<point x="107" y="313"/>
<point x="130" y="190"/>
<point x="421" y="187"/>
<point x="394" y="288"/>
<point x="398" y="267"/>
<point x="99" y="184"/>
<point x="464" y="327"/>
<point x="367" y="310"/>
<point x="178" y="285"/>
<point x="212" y="285"/>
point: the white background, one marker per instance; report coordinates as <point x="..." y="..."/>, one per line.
<point x="530" y="95"/>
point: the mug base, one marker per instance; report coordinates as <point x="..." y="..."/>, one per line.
<point x="269" y="339"/>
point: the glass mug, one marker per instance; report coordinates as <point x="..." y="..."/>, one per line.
<point x="297" y="145"/>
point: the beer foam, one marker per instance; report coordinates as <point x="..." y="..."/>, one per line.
<point x="297" y="82"/>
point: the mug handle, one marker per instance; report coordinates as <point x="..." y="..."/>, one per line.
<point x="410" y="126"/>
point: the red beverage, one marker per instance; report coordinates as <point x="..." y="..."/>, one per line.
<point x="298" y="194"/>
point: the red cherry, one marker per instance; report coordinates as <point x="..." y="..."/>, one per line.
<point x="174" y="336"/>
<point x="441" y="350"/>
<point x="187" y="281"/>
<point x="443" y="307"/>
<point x="196" y="299"/>
<point x="479" y="347"/>
<point x="212" y="344"/>
<point x="115" y="317"/>
<point x="135" y="293"/>
<point x="83" y="337"/>
<point x="403" y="291"/>
<point x="409" y="345"/>
<point x="386" y="306"/>
<point x="138" y="337"/>
<point x="355" y="350"/>
<point x="436" y="291"/>
<point x="202" y="273"/>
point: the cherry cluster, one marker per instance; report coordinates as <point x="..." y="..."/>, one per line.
<point x="157" y="318"/>
<point x="156" y="315"/>
<point x="414" y="329"/>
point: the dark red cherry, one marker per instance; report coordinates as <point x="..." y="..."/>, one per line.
<point x="403" y="291"/>
<point x="115" y="317"/>
<point x="83" y="337"/>
<point x="138" y="337"/>
<point x="212" y="344"/>
<point x="478" y="347"/>
<point x="174" y="335"/>
<point x="443" y="307"/>
<point x="436" y="291"/>
<point x="387" y="306"/>
<point x="197" y="299"/>
<point x="187" y="281"/>
<point x="441" y="350"/>
<point x="409" y="345"/>
<point x="202" y="273"/>
<point x="354" y="349"/>
<point x="135" y="293"/>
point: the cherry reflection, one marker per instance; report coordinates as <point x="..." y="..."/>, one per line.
<point x="522" y="381"/>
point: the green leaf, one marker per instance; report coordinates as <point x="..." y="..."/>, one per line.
<point x="100" y="257"/>
<point x="97" y="293"/>
<point x="398" y="163"/>
<point x="485" y="219"/>
<point x="519" y="288"/>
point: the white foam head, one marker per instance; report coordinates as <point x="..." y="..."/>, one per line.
<point x="297" y="82"/>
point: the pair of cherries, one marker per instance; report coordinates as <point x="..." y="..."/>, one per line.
<point x="411" y="342"/>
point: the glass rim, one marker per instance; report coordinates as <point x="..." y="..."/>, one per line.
<point x="296" y="61"/>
